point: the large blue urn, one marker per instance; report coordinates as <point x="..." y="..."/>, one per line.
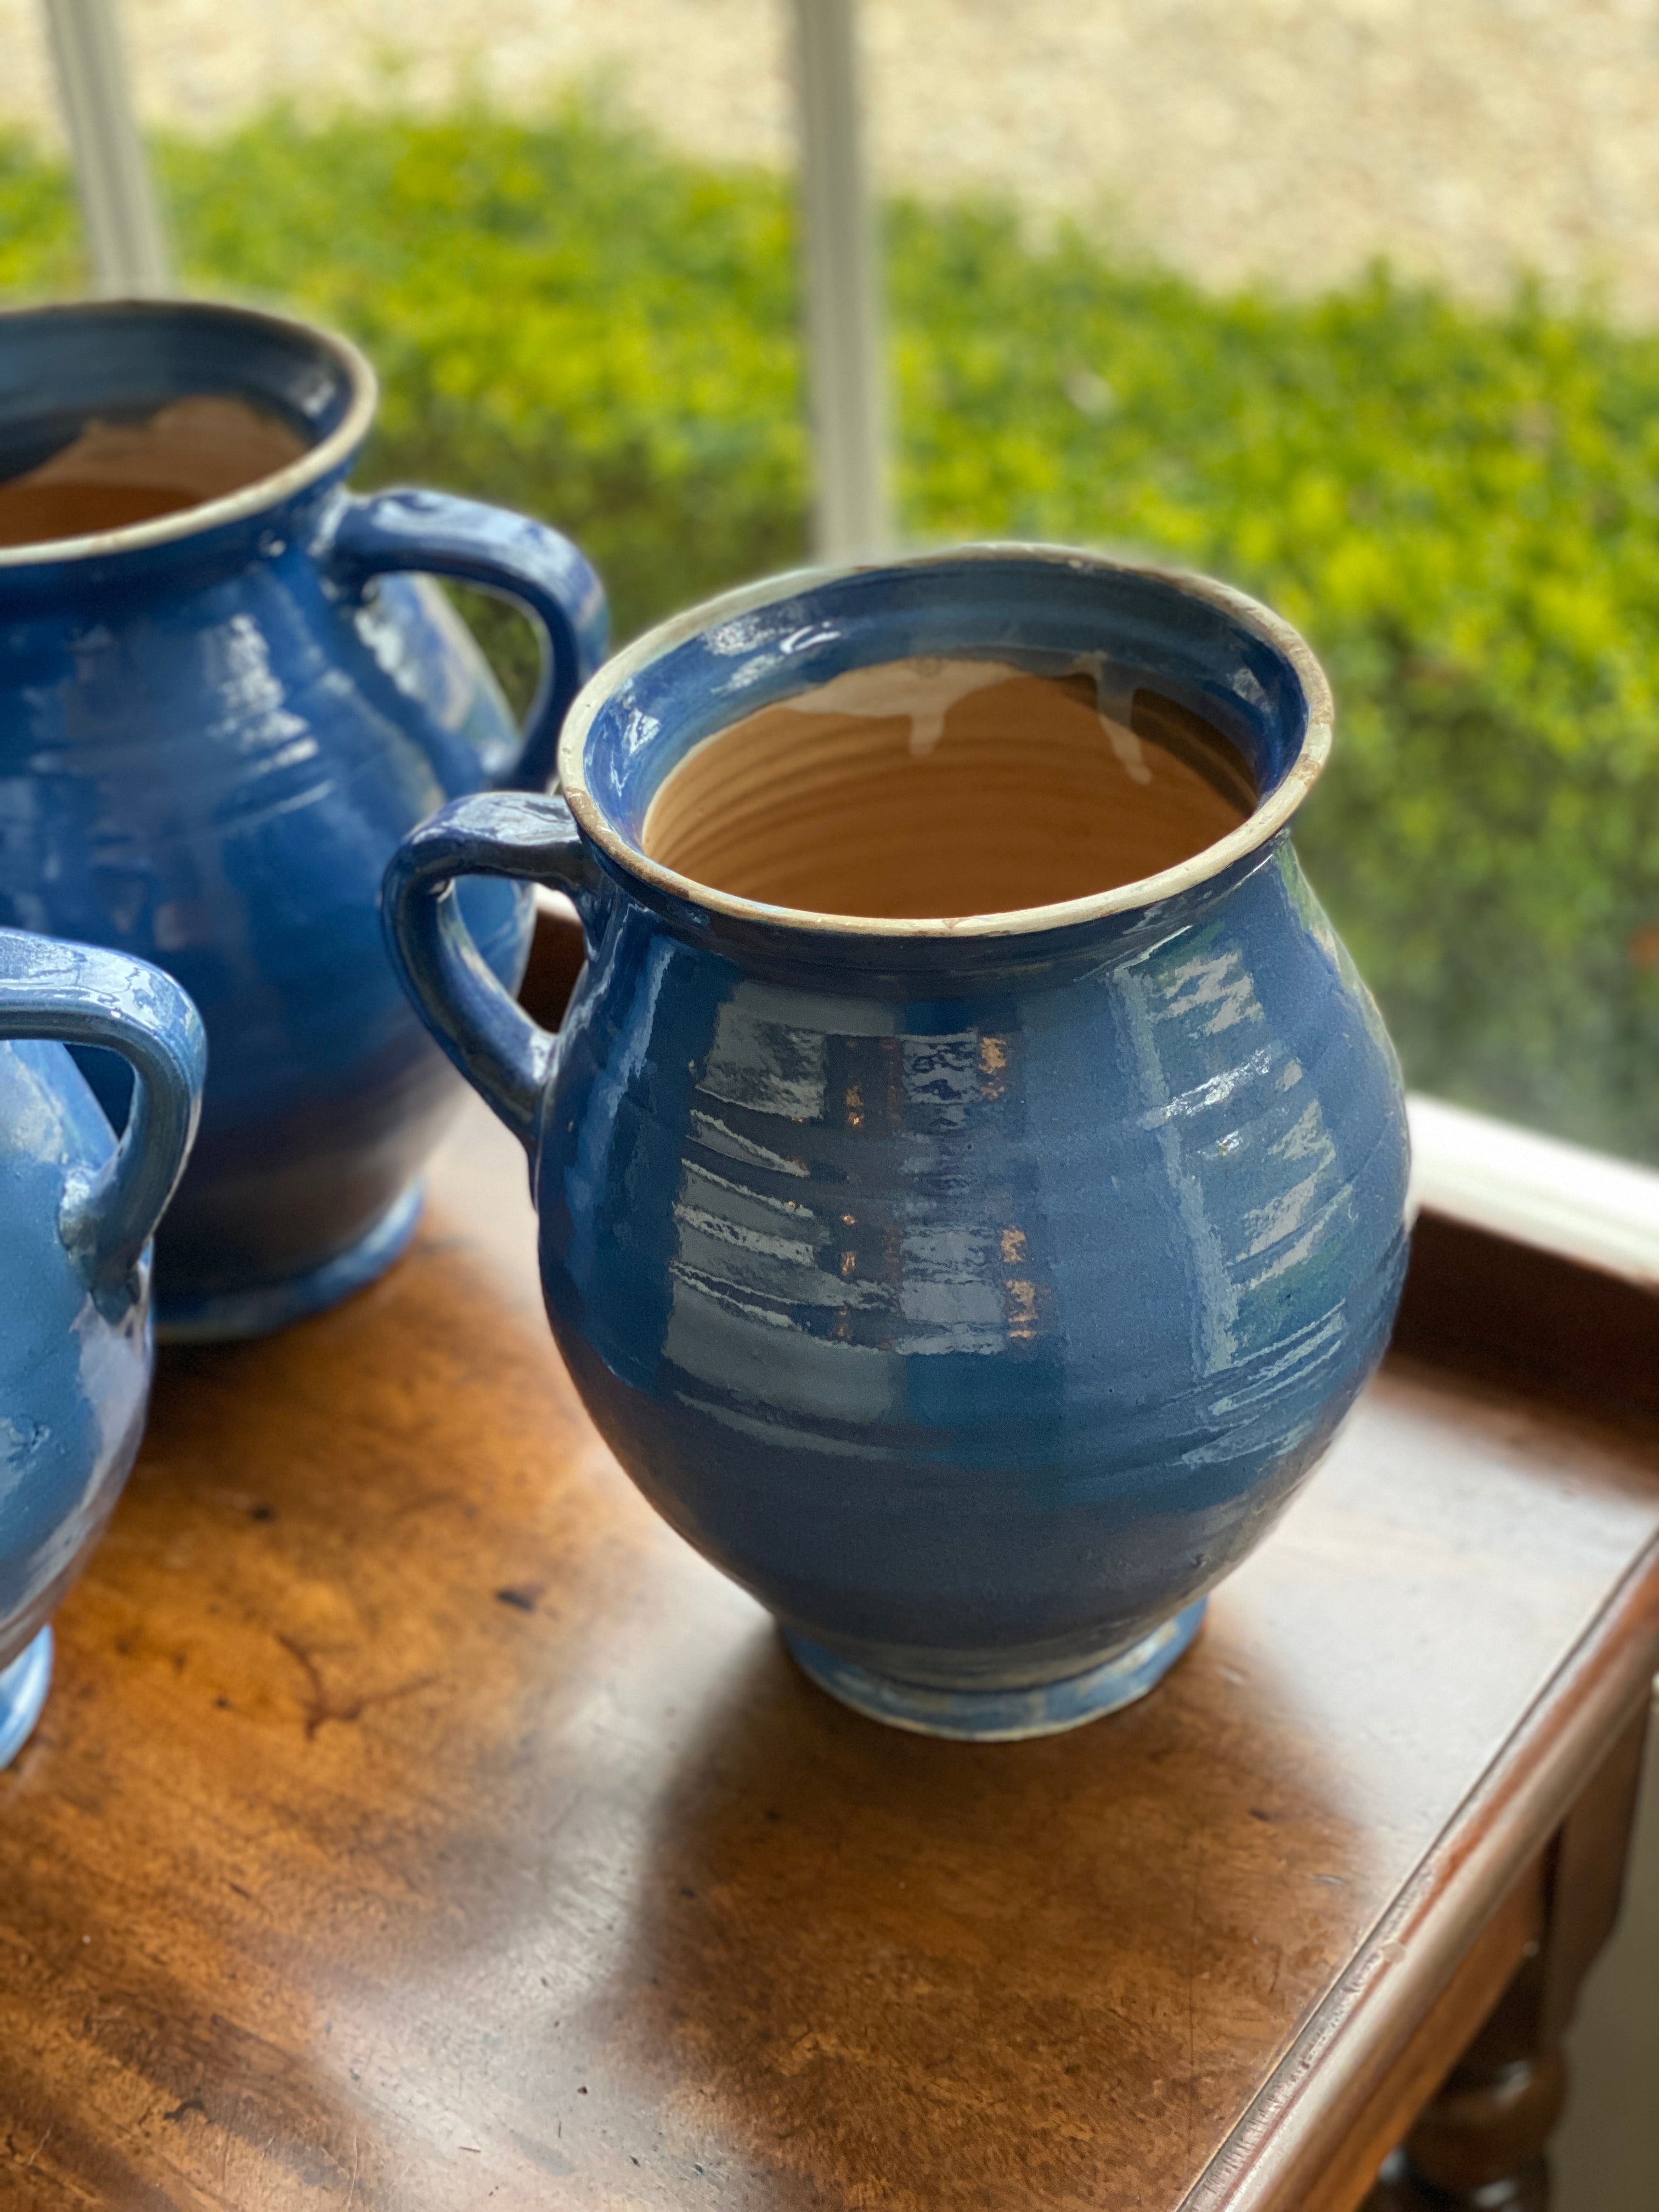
<point x="217" y="718"/>
<point x="975" y="1291"/>
<point x="77" y="1215"/>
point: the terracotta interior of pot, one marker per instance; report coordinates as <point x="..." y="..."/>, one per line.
<point x="947" y="788"/>
<point x="115" y="473"/>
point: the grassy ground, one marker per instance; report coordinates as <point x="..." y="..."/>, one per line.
<point x="1460" y="506"/>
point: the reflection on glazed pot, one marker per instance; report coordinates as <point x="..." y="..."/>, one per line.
<point x="221" y="705"/>
<point x="976" y="1290"/>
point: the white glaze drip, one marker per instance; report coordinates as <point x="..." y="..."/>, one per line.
<point x="922" y="691"/>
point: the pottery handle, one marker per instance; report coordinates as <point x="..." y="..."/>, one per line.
<point x="79" y="994"/>
<point x="503" y="1054"/>
<point x="438" y="535"/>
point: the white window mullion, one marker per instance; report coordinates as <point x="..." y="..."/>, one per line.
<point x="112" y="173"/>
<point x="845" y="376"/>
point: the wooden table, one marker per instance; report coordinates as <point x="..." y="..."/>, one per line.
<point x="416" y="1823"/>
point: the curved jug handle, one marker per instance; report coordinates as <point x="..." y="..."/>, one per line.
<point x="502" y="1054"/>
<point x="79" y="994"/>
<point x="439" y="535"/>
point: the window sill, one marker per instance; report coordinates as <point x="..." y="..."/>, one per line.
<point x="1585" y="1206"/>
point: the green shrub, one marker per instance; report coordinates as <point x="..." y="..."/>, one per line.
<point x="1458" y="505"/>
<point x="562" y="317"/>
<point x="41" y="248"/>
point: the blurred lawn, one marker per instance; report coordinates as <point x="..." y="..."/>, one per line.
<point x="1460" y="506"/>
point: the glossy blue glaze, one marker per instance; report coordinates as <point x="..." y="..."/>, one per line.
<point x="214" y="727"/>
<point x="76" y="1214"/>
<point x="999" y="1715"/>
<point x="977" y="1293"/>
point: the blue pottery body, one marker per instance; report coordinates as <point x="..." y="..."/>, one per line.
<point x="214" y="727"/>
<point x="74" y="1222"/>
<point x="977" y="1293"/>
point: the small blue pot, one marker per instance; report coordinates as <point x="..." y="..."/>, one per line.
<point x="214" y="727"/>
<point x="976" y="1292"/>
<point x="76" y="1214"/>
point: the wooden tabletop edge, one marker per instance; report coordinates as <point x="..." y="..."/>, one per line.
<point x="1296" y="2123"/>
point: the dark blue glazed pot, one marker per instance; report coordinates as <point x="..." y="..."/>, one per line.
<point x="976" y="1292"/>
<point x="76" y="1214"/>
<point x="214" y="727"/>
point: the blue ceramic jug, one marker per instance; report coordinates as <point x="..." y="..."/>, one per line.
<point x="76" y="1213"/>
<point x="217" y="720"/>
<point x="976" y="1291"/>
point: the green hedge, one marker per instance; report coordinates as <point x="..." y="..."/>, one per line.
<point x="1460" y="506"/>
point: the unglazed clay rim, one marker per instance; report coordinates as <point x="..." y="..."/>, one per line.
<point x="231" y="505"/>
<point x="1268" y="818"/>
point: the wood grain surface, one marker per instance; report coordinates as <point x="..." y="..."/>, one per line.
<point x="417" y="1823"/>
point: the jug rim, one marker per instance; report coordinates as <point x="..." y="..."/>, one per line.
<point x="331" y="451"/>
<point x="1263" y="824"/>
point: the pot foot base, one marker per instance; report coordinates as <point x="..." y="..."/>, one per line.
<point x="260" y="1311"/>
<point x="23" y="1687"/>
<point x="1002" y="1715"/>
